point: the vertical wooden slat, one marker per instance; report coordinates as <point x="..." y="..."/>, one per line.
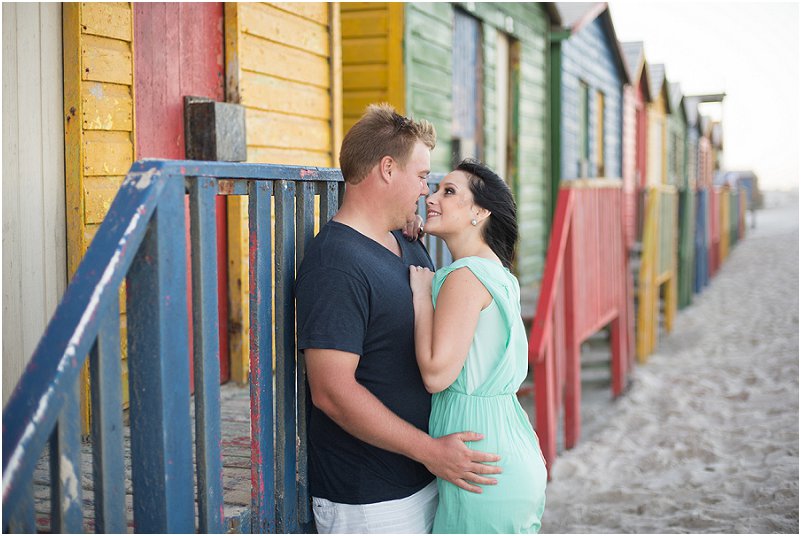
<point x="23" y="521"/>
<point x="305" y="233"/>
<point x="285" y="368"/>
<point x="107" y="429"/>
<point x="208" y="442"/>
<point x="262" y="468"/>
<point x="159" y="372"/>
<point x="65" y="467"/>
<point x="329" y="201"/>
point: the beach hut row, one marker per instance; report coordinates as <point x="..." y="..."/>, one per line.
<point x="543" y="92"/>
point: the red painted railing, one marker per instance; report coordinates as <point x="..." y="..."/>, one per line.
<point x="584" y="288"/>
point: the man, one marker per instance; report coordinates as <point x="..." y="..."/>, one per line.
<point x="370" y="457"/>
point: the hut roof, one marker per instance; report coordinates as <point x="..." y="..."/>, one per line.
<point x="634" y="53"/>
<point x="656" y="74"/>
<point x="676" y="98"/>
<point x="576" y="15"/>
<point x="691" y="112"/>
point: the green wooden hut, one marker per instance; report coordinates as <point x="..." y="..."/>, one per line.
<point x="678" y="160"/>
<point x="479" y="73"/>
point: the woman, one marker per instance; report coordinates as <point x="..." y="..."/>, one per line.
<point x="472" y="351"/>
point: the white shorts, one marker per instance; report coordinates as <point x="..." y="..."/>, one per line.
<point x="411" y="515"/>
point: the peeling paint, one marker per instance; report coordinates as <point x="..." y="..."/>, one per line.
<point x="145" y="179"/>
<point x="69" y="481"/>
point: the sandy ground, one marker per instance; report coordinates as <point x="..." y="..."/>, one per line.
<point x="706" y="440"/>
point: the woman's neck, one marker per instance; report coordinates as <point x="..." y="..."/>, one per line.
<point x="471" y="246"/>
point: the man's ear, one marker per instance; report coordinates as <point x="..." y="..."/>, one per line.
<point x="386" y="167"/>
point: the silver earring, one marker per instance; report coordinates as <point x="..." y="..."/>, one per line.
<point x="474" y="222"/>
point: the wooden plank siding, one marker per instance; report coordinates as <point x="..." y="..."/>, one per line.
<point x="658" y="110"/>
<point x="588" y="57"/>
<point x="283" y="64"/>
<point x="179" y="52"/>
<point x="528" y="169"/>
<point x="99" y="127"/>
<point x="34" y="232"/>
<point x="372" y="57"/>
<point x="428" y="43"/>
<point x="414" y="72"/>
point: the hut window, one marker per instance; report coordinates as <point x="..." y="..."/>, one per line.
<point x="584" y="129"/>
<point x="599" y="140"/>
<point x="467" y="121"/>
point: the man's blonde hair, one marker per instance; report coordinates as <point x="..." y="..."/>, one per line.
<point x="381" y="132"/>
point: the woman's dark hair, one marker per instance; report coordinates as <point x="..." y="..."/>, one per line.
<point x="492" y="193"/>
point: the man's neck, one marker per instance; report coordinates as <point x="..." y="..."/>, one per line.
<point x="369" y="224"/>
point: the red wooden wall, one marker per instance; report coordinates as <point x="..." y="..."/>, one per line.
<point x="178" y="52"/>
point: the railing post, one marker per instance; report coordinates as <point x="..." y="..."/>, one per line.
<point x="65" y="467"/>
<point x="159" y="372"/>
<point x="107" y="429"/>
<point x="262" y="454"/>
<point x="285" y="363"/>
<point x="206" y="362"/>
<point x="572" y="349"/>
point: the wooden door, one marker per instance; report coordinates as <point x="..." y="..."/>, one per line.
<point x="179" y="52"/>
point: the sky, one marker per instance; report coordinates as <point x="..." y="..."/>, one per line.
<point x="748" y="50"/>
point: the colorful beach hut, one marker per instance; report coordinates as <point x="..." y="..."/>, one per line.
<point x="479" y="73"/>
<point x="120" y="72"/>
<point x="678" y="166"/>
<point x="636" y="97"/>
<point x="657" y="277"/>
<point x="700" y="198"/>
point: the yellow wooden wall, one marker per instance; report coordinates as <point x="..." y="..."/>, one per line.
<point x="283" y="65"/>
<point x="98" y="124"/>
<point x="372" y="57"/>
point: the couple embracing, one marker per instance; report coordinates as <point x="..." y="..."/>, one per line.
<point x="413" y="374"/>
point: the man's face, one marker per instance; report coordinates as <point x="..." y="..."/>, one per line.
<point x="411" y="183"/>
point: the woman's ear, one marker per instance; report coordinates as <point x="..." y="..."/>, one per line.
<point x="482" y="214"/>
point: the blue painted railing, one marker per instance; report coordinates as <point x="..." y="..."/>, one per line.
<point x="142" y="242"/>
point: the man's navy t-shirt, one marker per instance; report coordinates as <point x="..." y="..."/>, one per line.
<point x="353" y="295"/>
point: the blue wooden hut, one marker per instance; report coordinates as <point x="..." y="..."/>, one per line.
<point x="588" y="71"/>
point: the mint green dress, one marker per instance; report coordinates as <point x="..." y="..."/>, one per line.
<point x="483" y="399"/>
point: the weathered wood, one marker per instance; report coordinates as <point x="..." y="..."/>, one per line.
<point x="261" y="343"/>
<point x="269" y="22"/>
<point x="206" y="361"/>
<point x="305" y="233"/>
<point x="108" y="467"/>
<point x="159" y="372"/>
<point x="23" y="520"/>
<point x="268" y="129"/>
<point x="285" y="369"/>
<point x="65" y="466"/>
<point x="107" y="19"/>
<point x="106" y="60"/>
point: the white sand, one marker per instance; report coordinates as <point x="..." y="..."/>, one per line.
<point x="706" y="440"/>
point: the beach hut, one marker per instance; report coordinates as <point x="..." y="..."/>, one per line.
<point x="636" y="97"/>
<point x="657" y="277"/>
<point x="679" y="168"/>
<point x="694" y="172"/>
<point x="283" y="65"/>
<point x="34" y="231"/>
<point x="479" y="73"/>
<point x="588" y="72"/>
<point x="125" y="69"/>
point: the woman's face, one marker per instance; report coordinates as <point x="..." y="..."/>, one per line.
<point x="451" y="208"/>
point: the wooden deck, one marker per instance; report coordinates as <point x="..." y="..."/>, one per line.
<point x="235" y="414"/>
